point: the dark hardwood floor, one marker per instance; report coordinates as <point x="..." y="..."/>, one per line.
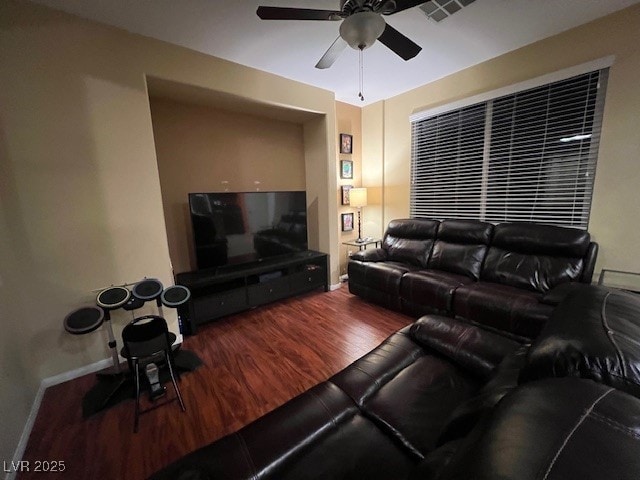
<point x="252" y="363"/>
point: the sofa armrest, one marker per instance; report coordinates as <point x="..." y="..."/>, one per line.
<point x="473" y="348"/>
<point x="589" y="263"/>
<point x="556" y="295"/>
<point x="373" y="255"/>
<point x="468" y="413"/>
<point x="592" y="334"/>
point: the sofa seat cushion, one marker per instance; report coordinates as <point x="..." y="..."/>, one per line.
<point x="414" y="405"/>
<point x="378" y="282"/>
<point x="317" y="435"/>
<point x="426" y="291"/>
<point x="502" y="307"/>
<point x="554" y="429"/>
<point x="409" y="390"/>
<point x="365" y="376"/>
<point x="595" y="334"/>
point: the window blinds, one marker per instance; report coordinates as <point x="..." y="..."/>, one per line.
<point x="528" y="156"/>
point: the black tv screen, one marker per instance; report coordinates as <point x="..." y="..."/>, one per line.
<point x="234" y="228"/>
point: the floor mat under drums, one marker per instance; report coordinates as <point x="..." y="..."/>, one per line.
<point x="109" y="391"/>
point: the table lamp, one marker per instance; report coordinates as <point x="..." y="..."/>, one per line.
<point x="358" y="199"/>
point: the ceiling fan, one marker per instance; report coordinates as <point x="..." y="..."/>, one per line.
<point x="362" y="25"/>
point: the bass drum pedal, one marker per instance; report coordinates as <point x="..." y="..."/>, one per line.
<point x="157" y="390"/>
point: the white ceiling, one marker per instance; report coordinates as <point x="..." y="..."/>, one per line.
<point x="231" y="30"/>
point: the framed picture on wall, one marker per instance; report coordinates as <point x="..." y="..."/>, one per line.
<point x="346" y="169"/>
<point x="346" y="143"/>
<point x="345" y="193"/>
<point x="347" y="222"/>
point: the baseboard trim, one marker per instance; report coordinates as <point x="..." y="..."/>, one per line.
<point x="37" y="401"/>
<point x="78" y="372"/>
<point x="334" y="286"/>
<point x="26" y="431"/>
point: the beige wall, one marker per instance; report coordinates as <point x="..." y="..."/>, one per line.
<point x="373" y="168"/>
<point x="615" y="213"/>
<point x="80" y="189"/>
<point x="203" y="149"/>
<point x="348" y="120"/>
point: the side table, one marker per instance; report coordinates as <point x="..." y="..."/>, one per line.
<point x="629" y="281"/>
<point x="363" y="244"/>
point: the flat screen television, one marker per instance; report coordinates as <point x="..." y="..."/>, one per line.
<point x="236" y="228"/>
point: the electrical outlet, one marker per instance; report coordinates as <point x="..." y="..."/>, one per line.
<point x="350" y="252"/>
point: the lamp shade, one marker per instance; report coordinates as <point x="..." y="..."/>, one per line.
<point x="362" y="29"/>
<point x="358" y="197"/>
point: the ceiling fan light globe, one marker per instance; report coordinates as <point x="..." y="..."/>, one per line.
<point x="362" y="29"/>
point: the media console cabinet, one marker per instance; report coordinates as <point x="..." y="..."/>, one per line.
<point x="230" y="289"/>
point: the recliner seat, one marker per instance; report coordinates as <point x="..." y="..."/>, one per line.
<point x="523" y="262"/>
<point x="455" y="260"/>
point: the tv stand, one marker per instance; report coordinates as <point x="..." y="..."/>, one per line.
<point x="230" y="289"/>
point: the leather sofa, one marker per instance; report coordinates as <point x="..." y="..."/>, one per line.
<point x="508" y="277"/>
<point x="444" y="399"/>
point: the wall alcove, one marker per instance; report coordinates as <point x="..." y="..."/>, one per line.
<point x="210" y="141"/>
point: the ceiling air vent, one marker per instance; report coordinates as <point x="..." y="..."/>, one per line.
<point x="438" y="10"/>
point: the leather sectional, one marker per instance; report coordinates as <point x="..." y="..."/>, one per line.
<point x="444" y="399"/>
<point x="507" y="277"/>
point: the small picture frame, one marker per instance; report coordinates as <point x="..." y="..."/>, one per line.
<point x="347" y="222"/>
<point x="346" y="169"/>
<point x="346" y="143"/>
<point x="345" y="194"/>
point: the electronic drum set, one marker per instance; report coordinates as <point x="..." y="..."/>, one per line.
<point x="89" y="318"/>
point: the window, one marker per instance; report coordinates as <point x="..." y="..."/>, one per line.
<point x="527" y="156"/>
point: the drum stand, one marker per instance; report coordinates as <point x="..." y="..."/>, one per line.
<point x="113" y="376"/>
<point x="115" y="369"/>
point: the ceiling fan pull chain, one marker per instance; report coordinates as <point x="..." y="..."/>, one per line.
<point x="361" y="77"/>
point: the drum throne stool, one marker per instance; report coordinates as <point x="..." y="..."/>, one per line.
<point x="147" y="340"/>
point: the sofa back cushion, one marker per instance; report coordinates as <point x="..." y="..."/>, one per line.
<point x="592" y="334"/>
<point x="410" y="240"/>
<point x="535" y="257"/>
<point x="461" y="246"/>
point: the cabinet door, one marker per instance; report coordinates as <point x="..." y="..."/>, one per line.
<point x="266" y="292"/>
<point x="307" y="280"/>
<point x="219" y="304"/>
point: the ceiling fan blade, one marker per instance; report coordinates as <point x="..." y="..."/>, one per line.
<point x="285" y="13"/>
<point x="331" y="55"/>
<point x="405" y="5"/>
<point x="398" y="43"/>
